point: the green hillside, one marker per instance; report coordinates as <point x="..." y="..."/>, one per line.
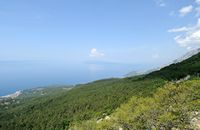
<point x="93" y="100"/>
<point x="43" y="91"/>
<point x="175" y="106"/>
<point x="31" y="94"/>
<point x="96" y="100"/>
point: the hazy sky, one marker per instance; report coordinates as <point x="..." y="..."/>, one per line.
<point x="47" y="42"/>
<point x="124" y="31"/>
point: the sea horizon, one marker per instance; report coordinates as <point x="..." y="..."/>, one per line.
<point x="22" y="75"/>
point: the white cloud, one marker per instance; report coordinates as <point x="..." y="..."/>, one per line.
<point x="190" y="37"/>
<point x="95" y="53"/>
<point x="160" y="3"/>
<point x="185" y="10"/>
<point x="197" y="10"/>
<point x="182" y="29"/>
<point x="197" y="1"/>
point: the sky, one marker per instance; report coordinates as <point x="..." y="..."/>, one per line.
<point x="109" y="30"/>
<point x="146" y="33"/>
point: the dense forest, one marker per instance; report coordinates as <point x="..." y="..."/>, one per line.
<point x="84" y="102"/>
<point x="150" y="101"/>
<point x="175" y="106"/>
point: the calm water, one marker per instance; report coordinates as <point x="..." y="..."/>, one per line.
<point x="19" y="75"/>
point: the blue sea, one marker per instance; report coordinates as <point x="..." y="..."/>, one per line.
<point x="20" y="75"/>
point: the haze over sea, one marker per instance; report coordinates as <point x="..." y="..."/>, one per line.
<point x="20" y="75"/>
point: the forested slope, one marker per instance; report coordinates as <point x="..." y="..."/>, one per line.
<point x="94" y="100"/>
<point x="175" y="106"/>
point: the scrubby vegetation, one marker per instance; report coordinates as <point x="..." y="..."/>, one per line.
<point x="174" y="106"/>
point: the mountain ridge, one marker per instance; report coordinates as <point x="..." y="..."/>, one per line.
<point x="187" y="55"/>
<point x="180" y="59"/>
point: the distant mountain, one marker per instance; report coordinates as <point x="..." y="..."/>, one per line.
<point x="187" y="55"/>
<point x="137" y="73"/>
<point x="185" y="66"/>
<point x="182" y="58"/>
